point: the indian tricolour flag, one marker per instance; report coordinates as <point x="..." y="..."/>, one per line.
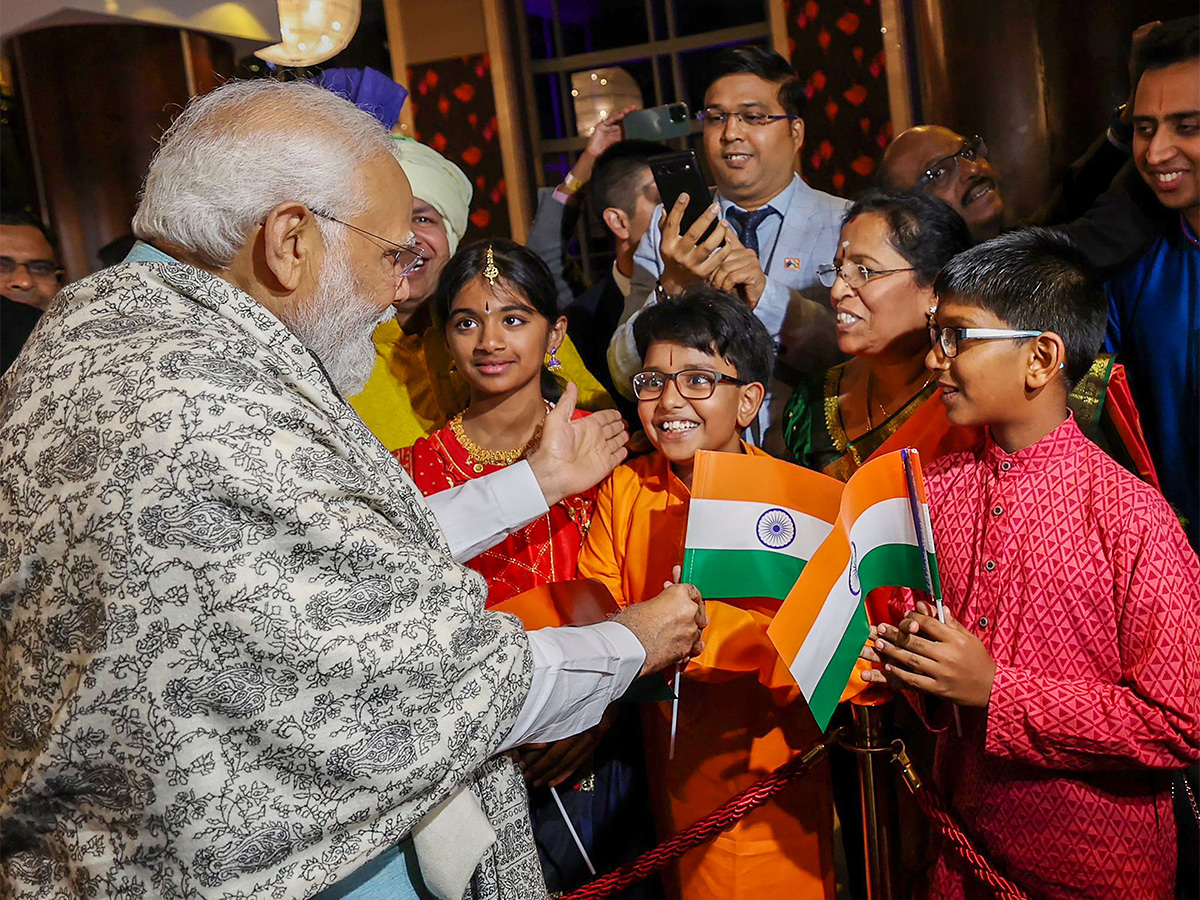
<point x="822" y="625"/>
<point x="753" y="523"/>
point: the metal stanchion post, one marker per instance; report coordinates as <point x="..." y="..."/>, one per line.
<point x="872" y="744"/>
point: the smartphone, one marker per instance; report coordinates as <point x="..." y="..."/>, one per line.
<point x="679" y="173"/>
<point x="659" y="123"/>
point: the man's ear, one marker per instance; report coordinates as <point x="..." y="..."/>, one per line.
<point x="617" y="222"/>
<point x="292" y="244"/>
<point x="748" y="405"/>
<point x="1047" y="359"/>
<point x="798" y="133"/>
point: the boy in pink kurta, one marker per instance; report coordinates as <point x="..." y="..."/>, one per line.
<point x="1072" y="601"/>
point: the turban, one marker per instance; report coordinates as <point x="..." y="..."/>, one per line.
<point x="438" y="182"/>
<point x="369" y="90"/>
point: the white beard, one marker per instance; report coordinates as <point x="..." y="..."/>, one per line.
<point x="336" y="325"/>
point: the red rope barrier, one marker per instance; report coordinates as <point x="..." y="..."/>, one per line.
<point x="943" y="820"/>
<point x="698" y="832"/>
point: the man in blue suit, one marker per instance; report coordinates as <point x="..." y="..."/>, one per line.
<point x="775" y="229"/>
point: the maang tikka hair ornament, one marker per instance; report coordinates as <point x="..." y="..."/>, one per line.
<point x="490" y="272"/>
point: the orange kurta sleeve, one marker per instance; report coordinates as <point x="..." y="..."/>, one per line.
<point x="602" y="556"/>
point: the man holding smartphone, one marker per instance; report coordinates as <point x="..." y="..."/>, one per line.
<point x="775" y="229"/>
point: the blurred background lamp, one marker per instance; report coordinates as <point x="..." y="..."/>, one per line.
<point x="312" y="31"/>
<point x="600" y="93"/>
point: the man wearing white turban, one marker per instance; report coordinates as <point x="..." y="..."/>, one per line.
<point x="412" y="391"/>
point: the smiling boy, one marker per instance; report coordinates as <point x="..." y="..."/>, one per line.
<point x="1071" y="594"/>
<point x="706" y="359"/>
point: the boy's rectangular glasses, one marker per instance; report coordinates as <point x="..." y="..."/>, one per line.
<point x="403" y="259"/>
<point x="948" y="337"/>
<point x="692" y="384"/>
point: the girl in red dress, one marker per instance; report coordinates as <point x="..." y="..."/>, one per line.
<point x="497" y="305"/>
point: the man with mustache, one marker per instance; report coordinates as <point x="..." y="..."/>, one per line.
<point x="774" y="231"/>
<point x="238" y="655"/>
<point x="31" y="276"/>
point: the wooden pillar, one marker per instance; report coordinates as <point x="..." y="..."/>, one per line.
<point x="96" y="100"/>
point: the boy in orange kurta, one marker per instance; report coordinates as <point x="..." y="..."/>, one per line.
<point x="706" y="359"/>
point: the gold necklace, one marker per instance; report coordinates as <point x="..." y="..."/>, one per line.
<point x="482" y="456"/>
<point x="882" y="408"/>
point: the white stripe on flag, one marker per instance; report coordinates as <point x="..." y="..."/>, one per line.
<point x="887" y="522"/>
<point x="743" y="525"/>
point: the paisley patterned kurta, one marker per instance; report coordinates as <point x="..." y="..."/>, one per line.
<point x="236" y="657"/>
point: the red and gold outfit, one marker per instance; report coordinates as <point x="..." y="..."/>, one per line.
<point x="1080" y="583"/>
<point x="545" y="550"/>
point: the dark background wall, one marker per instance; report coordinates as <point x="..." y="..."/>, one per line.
<point x="1038" y="79"/>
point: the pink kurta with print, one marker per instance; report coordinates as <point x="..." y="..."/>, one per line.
<point x="1079" y="581"/>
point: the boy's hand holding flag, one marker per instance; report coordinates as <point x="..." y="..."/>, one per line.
<point x="942" y="659"/>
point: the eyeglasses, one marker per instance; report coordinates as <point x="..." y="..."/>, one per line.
<point x="941" y="171"/>
<point x="692" y="384"/>
<point x="403" y="259"/>
<point x="948" y="337"/>
<point x="38" y="269"/>
<point x="855" y="275"/>
<point x="716" y="118"/>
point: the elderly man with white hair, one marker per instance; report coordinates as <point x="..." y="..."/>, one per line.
<point x="237" y="655"/>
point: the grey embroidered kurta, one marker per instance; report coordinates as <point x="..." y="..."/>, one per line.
<point x="236" y="657"/>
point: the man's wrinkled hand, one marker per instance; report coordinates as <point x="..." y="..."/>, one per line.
<point x="668" y="625"/>
<point x="573" y="456"/>
<point x="740" y="273"/>
<point x="686" y="258"/>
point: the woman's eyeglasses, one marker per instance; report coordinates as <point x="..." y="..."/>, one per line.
<point x="854" y="275"/>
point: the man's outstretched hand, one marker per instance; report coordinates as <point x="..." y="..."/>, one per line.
<point x="573" y="456"/>
<point x="668" y="625"/>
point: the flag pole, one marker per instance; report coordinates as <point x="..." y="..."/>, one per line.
<point x="571" y="828"/>
<point x="925" y="545"/>
<point x="675" y="709"/>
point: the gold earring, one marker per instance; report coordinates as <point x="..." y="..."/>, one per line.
<point x="490" y="272"/>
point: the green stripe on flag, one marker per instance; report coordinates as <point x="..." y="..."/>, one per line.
<point x="896" y="565"/>
<point x="721" y="574"/>
<point x="839" y="669"/>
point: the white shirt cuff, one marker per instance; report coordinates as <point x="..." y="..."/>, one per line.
<point x="481" y="513"/>
<point x="577" y="673"/>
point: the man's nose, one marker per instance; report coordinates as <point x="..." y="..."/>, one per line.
<point x="1161" y="147"/>
<point x="735" y="128"/>
<point x="403" y="290"/>
<point x="20" y="278"/>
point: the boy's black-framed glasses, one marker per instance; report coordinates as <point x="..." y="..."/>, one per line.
<point x="403" y="258"/>
<point x="855" y="275"/>
<point x="947" y="337"/>
<point x="692" y="384"/>
<point x="940" y="171"/>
